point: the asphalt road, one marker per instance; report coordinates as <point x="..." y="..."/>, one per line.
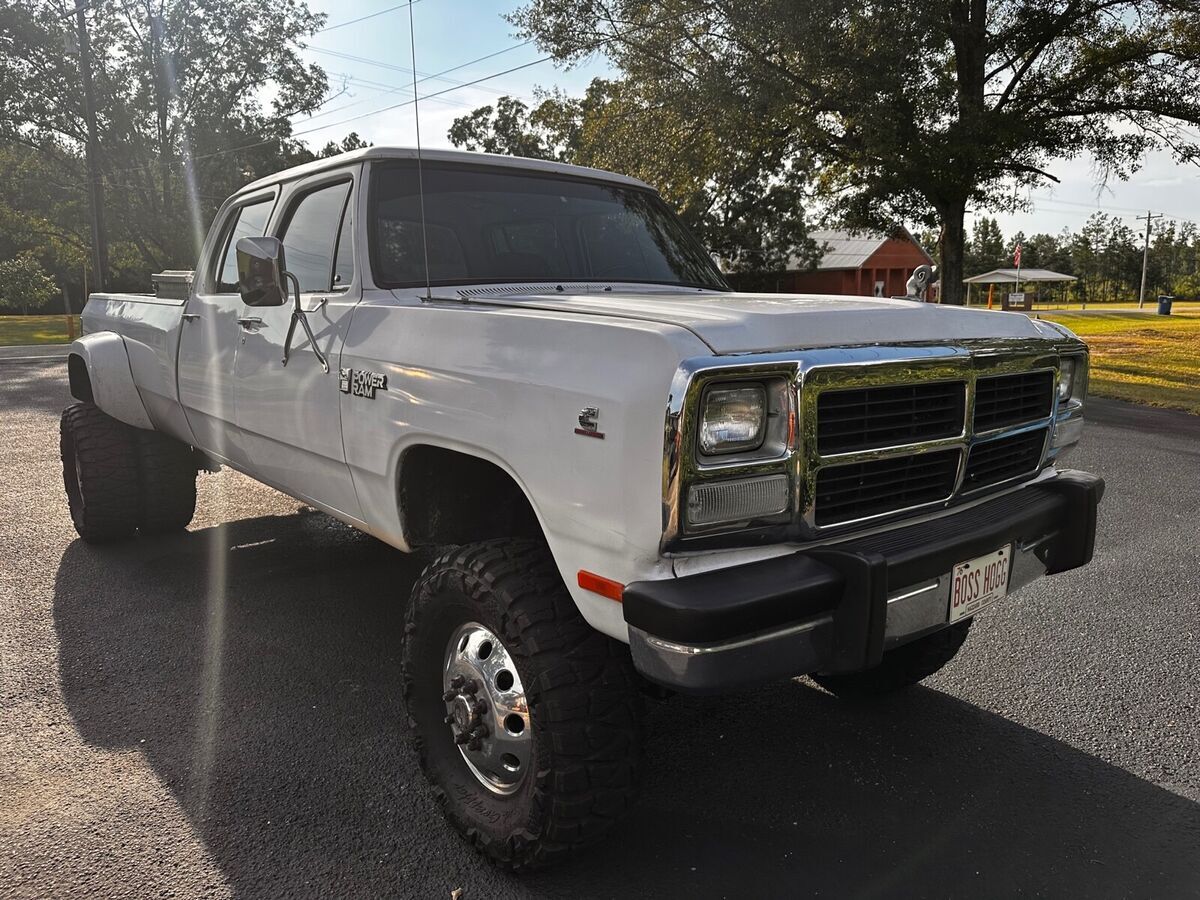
<point x="217" y="714"/>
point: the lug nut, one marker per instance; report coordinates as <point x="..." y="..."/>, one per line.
<point x="449" y="720"/>
<point x="457" y="681"/>
<point x="449" y="695"/>
<point x="461" y="738"/>
<point x="480" y="708"/>
<point x="470" y="687"/>
<point x="479" y="731"/>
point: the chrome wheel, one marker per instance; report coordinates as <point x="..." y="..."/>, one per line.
<point x="486" y="708"/>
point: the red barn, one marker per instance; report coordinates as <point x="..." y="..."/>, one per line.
<point x="863" y="264"/>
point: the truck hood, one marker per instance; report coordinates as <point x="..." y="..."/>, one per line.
<point x="745" y="323"/>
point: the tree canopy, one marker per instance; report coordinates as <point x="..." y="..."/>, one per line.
<point x="193" y="100"/>
<point x="1104" y="254"/>
<point x="892" y="112"/>
<point x="23" y="284"/>
<point x="744" y="201"/>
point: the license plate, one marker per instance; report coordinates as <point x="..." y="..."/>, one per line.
<point x="980" y="581"/>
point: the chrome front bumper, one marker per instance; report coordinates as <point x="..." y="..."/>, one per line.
<point x="919" y="610"/>
<point x="840" y="607"/>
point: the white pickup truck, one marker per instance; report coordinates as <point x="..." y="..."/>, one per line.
<point x="633" y="477"/>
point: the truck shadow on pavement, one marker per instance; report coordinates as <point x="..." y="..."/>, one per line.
<point x="255" y="667"/>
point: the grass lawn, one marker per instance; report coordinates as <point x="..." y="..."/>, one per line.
<point x="1143" y="358"/>
<point x="20" y="330"/>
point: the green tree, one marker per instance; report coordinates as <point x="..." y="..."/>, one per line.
<point x="43" y="211"/>
<point x="904" y="112"/>
<point x="985" y="250"/>
<point x="350" y="142"/>
<point x="183" y="112"/>
<point x="24" y="285"/>
<point x="1046" y="251"/>
<point x="506" y="128"/>
<point x="1187" y="287"/>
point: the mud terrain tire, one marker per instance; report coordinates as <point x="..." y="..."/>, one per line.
<point x="580" y="687"/>
<point x="100" y="473"/>
<point x="168" y="483"/>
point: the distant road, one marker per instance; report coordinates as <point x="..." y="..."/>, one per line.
<point x="34" y="353"/>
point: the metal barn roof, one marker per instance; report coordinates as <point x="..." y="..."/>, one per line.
<point x="846" y="250"/>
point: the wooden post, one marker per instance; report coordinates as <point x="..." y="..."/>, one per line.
<point x="991" y="287"/>
<point x="70" y="318"/>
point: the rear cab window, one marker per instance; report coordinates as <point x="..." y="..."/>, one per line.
<point x="318" y="239"/>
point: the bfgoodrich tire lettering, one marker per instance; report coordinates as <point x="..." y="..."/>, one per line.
<point x="583" y="704"/>
<point x="900" y="668"/>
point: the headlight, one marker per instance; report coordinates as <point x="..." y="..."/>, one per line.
<point x="1066" y="379"/>
<point x="733" y="418"/>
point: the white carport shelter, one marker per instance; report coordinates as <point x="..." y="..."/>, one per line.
<point x="1013" y="276"/>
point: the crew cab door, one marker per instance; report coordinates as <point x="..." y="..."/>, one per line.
<point x="210" y="335"/>
<point x="289" y="416"/>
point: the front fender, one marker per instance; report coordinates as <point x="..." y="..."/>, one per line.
<point x="102" y="375"/>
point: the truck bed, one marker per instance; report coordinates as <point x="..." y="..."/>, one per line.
<point x="150" y="327"/>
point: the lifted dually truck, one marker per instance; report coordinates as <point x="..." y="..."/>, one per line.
<point x="632" y="475"/>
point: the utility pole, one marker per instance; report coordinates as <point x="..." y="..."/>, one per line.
<point x="1146" y="255"/>
<point x="92" y="153"/>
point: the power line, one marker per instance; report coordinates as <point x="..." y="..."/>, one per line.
<point x="432" y="96"/>
<point x="367" y="60"/>
<point x="437" y="76"/>
<point x="593" y="46"/>
<point x="382" y="12"/>
<point x="480" y="59"/>
<point x="1115" y="210"/>
<point x="385" y="88"/>
<point x="1094" y="206"/>
<point x="389" y="88"/>
<point x="303" y="132"/>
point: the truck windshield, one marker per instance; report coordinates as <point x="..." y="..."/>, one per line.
<point x="494" y="225"/>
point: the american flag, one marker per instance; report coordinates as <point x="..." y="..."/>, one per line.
<point x="1017" y="256"/>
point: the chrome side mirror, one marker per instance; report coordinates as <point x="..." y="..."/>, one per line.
<point x="261" y="271"/>
<point x="261" y="277"/>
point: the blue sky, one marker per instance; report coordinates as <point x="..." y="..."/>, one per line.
<point x="449" y="33"/>
<point x="453" y="32"/>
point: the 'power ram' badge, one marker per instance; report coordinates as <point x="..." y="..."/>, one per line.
<point x="361" y="383"/>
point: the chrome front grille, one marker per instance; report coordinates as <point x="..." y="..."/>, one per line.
<point x="866" y="418"/>
<point x="1000" y="460"/>
<point x="893" y="436"/>
<point x="874" y="434"/>
<point x="861" y="490"/>
<point x="1006" y="400"/>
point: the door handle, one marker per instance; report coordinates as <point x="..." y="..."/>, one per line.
<point x="250" y="322"/>
<point x="189" y="317"/>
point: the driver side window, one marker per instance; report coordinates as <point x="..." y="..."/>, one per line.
<point x="246" y="221"/>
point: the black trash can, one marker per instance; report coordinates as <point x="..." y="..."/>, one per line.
<point x="1164" y="304"/>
